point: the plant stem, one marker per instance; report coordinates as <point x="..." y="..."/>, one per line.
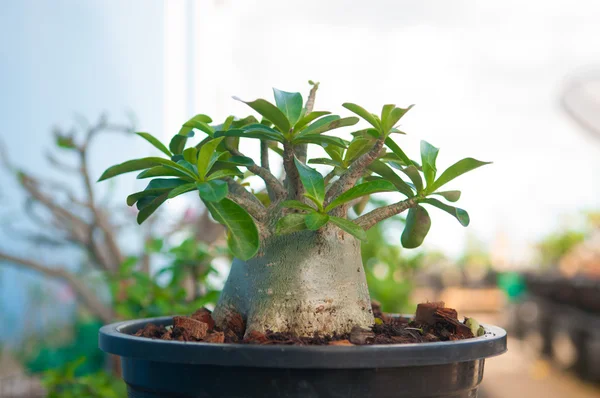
<point x="354" y="172"/>
<point x="275" y="189"/>
<point x="292" y="179"/>
<point x="373" y="217"/>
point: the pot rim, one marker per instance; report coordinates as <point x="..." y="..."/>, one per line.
<point x="117" y="339"/>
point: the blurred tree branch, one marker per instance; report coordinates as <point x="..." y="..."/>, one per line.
<point x="94" y="305"/>
<point x="62" y="217"/>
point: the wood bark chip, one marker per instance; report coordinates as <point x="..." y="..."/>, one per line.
<point x="215" y="337"/>
<point x="255" y="337"/>
<point x="195" y="328"/>
<point x="151" y="331"/>
<point x="436" y="315"/>
<point x="203" y="315"/>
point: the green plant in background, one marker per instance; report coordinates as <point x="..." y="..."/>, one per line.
<point x="551" y="248"/>
<point x="141" y="294"/>
<point x="70" y="382"/>
<point x="304" y="220"/>
<point x="555" y="245"/>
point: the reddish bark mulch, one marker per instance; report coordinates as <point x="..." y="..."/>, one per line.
<point x="433" y="322"/>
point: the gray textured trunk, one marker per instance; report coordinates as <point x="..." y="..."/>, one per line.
<point x="302" y="283"/>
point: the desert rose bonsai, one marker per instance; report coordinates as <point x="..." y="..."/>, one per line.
<point x="297" y="266"/>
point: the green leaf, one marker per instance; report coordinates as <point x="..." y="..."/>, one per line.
<point x="360" y="111"/>
<point x="184" y="167"/>
<point x="259" y="127"/>
<point x="392" y="118"/>
<point x="199" y="125"/>
<point x="157" y="144"/>
<point x="350" y="227"/>
<point x="269" y="111"/>
<point x="335" y="153"/>
<point x="200" y="118"/>
<point x="325" y="161"/>
<point x="155" y="188"/>
<point x="296" y="204"/>
<point x="428" y="156"/>
<point x="227" y="124"/>
<point x="413" y="173"/>
<point x="457" y="169"/>
<point x="313" y="182"/>
<point x="177" y="144"/>
<point x="221" y="165"/>
<point x="315" y="220"/>
<point x="213" y="191"/>
<point x="451" y="196"/>
<point x="386" y="172"/>
<point x="216" y="156"/>
<point x="147" y="210"/>
<point x="300" y="124"/>
<point x="181" y="190"/>
<point x="242" y="236"/>
<point x="321" y="122"/>
<point x="359" y="146"/>
<point x="191" y="155"/>
<point x="178" y="141"/>
<point x="319" y="139"/>
<point x="290" y="223"/>
<point x="290" y="104"/>
<point x="224" y="173"/>
<point x="323" y="125"/>
<point x="235" y="123"/>
<point x="240" y="160"/>
<point x="162" y="171"/>
<point x="367" y="188"/>
<point x="416" y="228"/>
<point x="367" y="133"/>
<point x="261" y="133"/>
<point x="399" y="152"/>
<point x="461" y="215"/>
<point x="140" y="164"/>
<point x="206" y="155"/>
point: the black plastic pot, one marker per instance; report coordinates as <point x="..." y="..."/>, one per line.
<point x="157" y="368"/>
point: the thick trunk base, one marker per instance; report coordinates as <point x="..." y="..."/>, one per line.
<point x="303" y="283"/>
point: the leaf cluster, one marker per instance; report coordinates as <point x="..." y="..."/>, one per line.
<point x="370" y="163"/>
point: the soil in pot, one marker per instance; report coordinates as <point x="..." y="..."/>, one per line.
<point x="433" y="322"/>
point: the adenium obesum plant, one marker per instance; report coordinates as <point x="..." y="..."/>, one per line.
<point x="297" y="265"/>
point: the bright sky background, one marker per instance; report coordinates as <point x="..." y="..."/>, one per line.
<point x="485" y="77"/>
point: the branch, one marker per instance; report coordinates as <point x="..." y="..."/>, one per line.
<point x="292" y="179"/>
<point x="354" y="172"/>
<point x="302" y="149"/>
<point x="87" y="297"/>
<point x="76" y="227"/>
<point x="242" y="197"/>
<point x="99" y="220"/>
<point x="275" y="188"/>
<point x="310" y="102"/>
<point x="264" y="154"/>
<point x="373" y="217"/>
